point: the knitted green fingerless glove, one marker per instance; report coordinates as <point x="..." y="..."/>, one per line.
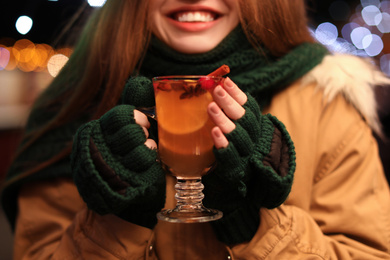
<point x="138" y="92"/>
<point x="255" y="170"/>
<point x="114" y="171"/>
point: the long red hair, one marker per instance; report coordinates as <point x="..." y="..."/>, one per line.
<point x="113" y="44"/>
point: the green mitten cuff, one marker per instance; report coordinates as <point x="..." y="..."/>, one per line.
<point x="240" y="223"/>
<point x="277" y="164"/>
<point x="225" y="187"/>
<point x="115" y="172"/>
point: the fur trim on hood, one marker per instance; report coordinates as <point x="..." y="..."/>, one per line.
<point x="355" y="78"/>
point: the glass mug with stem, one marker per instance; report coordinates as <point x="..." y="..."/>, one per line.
<point x="185" y="145"/>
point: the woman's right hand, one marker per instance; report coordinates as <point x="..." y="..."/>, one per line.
<point x="114" y="162"/>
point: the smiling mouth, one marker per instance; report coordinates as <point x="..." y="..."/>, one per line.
<point x="194" y="16"/>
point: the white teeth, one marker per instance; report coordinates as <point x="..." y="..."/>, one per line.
<point x="195" y="17"/>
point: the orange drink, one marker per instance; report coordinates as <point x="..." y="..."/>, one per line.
<point x="185" y="143"/>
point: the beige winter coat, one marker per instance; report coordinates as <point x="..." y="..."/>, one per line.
<point x="339" y="207"/>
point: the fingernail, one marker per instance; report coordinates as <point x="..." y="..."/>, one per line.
<point x="229" y="83"/>
<point x="220" y="91"/>
<point x="217" y="133"/>
<point x="214" y="109"/>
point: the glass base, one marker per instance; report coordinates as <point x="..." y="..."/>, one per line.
<point x="189" y="216"/>
<point x="189" y="207"/>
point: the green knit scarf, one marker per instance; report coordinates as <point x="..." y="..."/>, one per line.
<point x="260" y="74"/>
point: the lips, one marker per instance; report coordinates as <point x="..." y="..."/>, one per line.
<point x="194" y="16"/>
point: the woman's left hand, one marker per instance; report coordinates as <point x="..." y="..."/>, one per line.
<point x="226" y="107"/>
<point x="255" y="162"/>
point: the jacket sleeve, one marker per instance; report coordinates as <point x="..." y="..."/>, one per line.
<point x="59" y="226"/>
<point x="347" y="196"/>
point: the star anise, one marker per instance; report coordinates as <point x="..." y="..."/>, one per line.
<point x="190" y="91"/>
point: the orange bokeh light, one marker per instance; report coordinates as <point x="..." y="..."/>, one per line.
<point x="28" y="57"/>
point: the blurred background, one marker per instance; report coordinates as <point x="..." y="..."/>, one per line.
<point x="36" y="39"/>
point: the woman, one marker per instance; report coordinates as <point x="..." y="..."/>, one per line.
<point x="86" y="126"/>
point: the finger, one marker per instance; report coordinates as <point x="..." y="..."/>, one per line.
<point x="141" y="119"/>
<point x="220" y="140"/>
<point x="235" y="92"/>
<point x="220" y="119"/>
<point x="145" y="131"/>
<point x="229" y="106"/>
<point x="150" y="143"/>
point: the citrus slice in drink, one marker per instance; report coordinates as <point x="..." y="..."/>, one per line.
<point x="181" y="116"/>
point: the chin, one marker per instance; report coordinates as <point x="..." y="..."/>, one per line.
<point x="194" y="49"/>
<point x="194" y="46"/>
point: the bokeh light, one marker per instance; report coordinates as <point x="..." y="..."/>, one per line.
<point x="357" y="36"/>
<point x="326" y="33"/>
<point x="4" y="57"/>
<point x="96" y="3"/>
<point x="384" y="24"/>
<point x="366" y="32"/>
<point x="347" y="30"/>
<point x="365" y="3"/>
<point x="371" y="15"/>
<point x="385" y="6"/>
<point x="23" y="24"/>
<point x="56" y="63"/>
<point x="29" y="57"/>
<point x="362" y="29"/>
<point x="342" y="46"/>
<point x="375" y="45"/>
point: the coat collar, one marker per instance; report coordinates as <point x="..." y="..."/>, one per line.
<point x="355" y="78"/>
